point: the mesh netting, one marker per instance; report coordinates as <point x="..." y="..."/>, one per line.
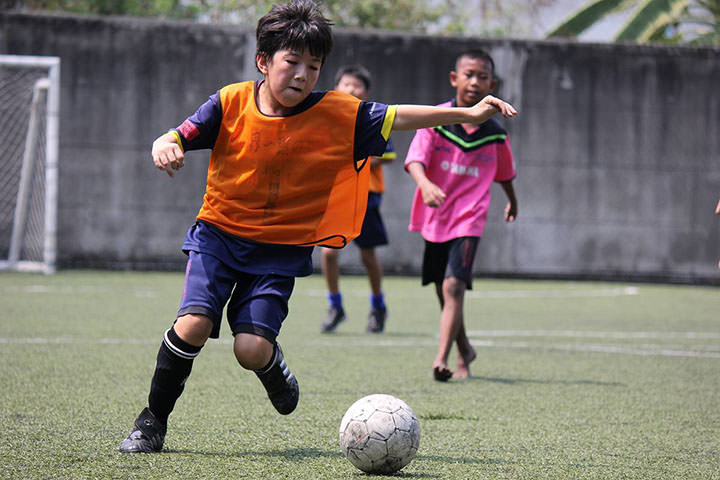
<point x="16" y="97"/>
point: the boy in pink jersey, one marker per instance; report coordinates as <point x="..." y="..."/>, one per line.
<point x="454" y="167"/>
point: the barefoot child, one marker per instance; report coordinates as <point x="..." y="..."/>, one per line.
<point x="454" y="166"/>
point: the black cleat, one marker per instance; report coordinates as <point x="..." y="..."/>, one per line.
<point x="334" y="318"/>
<point x="147" y="436"/>
<point x="376" y="320"/>
<point x="280" y="384"/>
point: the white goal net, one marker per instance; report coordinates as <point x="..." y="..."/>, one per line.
<point x="30" y="100"/>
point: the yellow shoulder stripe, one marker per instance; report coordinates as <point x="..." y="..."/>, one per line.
<point x="389" y="121"/>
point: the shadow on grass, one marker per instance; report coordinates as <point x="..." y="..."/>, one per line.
<point x="513" y="381"/>
<point x="288" y="454"/>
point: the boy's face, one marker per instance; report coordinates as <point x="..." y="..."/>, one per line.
<point x="352" y="85"/>
<point x="290" y="77"/>
<point x="473" y="79"/>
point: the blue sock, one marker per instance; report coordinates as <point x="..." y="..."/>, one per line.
<point x="335" y="300"/>
<point x="378" y="301"/>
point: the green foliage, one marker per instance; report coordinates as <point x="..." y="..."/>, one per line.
<point x="651" y="20"/>
<point x="585" y="18"/>
<point x="167" y="8"/>
<point x="463" y="17"/>
<point x="667" y="21"/>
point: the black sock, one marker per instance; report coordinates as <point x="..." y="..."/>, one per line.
<point x="273" y="358"/>
<point x="172" y="368"/>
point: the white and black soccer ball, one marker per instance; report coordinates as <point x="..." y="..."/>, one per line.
<point x="379" y="434"/>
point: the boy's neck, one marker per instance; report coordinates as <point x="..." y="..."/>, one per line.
<point x="267" y="104"/>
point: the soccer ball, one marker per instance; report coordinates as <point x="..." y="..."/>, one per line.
<point x="379" y="434"/>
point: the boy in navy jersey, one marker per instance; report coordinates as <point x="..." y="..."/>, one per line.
<point x="355" y="80"/>
<point x="286" y="172"/>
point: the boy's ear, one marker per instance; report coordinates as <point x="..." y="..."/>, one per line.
<point x="261" y="63"/>
<point x="453" y="78"/>
<point x="494" y="85"/>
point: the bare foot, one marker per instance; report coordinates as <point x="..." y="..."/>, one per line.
<point x="441" y="372"/>
<point x="463" y="363"/>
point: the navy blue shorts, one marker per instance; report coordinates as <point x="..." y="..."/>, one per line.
<point x="454" y="258"/>
<point x="373" y="232"/>
<point x="256" y="304"/>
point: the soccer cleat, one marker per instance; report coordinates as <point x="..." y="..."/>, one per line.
<point x="280" y="384"/>
<point x="376" y="320"/>
<point x="334" y="317"/>
<point x="147" y="436"/>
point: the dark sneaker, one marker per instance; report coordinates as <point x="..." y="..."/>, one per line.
<point x="376" y="320"/>
<point x="147" y="436"/>
<point x="334" y="318"/>
<point x="280" y="384"/>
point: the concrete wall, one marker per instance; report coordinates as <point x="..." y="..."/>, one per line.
<point x="617" y="147"/>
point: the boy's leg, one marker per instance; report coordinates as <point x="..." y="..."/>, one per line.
<point x="458" y="278"/>
<point x="466" y="353"/>
<point x="266" y="359"/>
<point x="257" y="308"/>
<point x="181" y="344"/>
<point x="208" y="284"/>
<point x="378" y="309"/>
<point x="331" y="270"/>
<point x="372" y="235"/>
<point x="450" y="322"/>
<point x="373" y="268"/>
<point x="439" y="293"/>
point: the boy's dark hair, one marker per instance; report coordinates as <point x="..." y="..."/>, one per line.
<point x="297" y="25"/>
<point x="357" y="71"/>
<point x="477" y="54"/>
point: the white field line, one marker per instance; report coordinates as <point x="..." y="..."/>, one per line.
<point x="473" y="294"/>
<point x="139" y="292"/>
<point x="700" y="351"/>
<point x="593" y="334"/>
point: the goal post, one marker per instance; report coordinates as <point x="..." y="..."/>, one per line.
<point x="30" y="95"/>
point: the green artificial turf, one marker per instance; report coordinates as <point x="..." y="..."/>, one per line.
<point x="572" y="381"/>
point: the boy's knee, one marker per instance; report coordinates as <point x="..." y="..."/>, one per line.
<point x="367" y="254"/>
<point x="252" y="351"/>
<point x="454" y="287"/>
<point x="330" y="253"/>
<point x="194" y="329"/>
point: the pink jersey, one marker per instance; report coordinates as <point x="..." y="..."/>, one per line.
<point x="464" y="165"/>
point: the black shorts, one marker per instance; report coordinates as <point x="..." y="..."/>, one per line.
<point x="373" y="232"/>
<point x="453" y="258"/>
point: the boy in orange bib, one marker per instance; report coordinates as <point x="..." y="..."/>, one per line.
<point x="287" y="171"/>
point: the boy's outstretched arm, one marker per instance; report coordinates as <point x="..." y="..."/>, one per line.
<point x="432" y="195"/>
<point x="511" y="208"/>
<point x="413" y="117"/>
<point x="167" y="154"/>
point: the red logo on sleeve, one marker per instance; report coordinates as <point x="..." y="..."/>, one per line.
<point x="188" y="130"/>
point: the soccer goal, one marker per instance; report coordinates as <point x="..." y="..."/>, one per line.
<point x="30" y="99"/>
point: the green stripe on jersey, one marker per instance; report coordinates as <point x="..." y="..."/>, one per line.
<point x="473" y="144"/>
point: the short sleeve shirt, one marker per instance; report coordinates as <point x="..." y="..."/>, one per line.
<point x="464" y="165"/>
<point x="200" y="131"/>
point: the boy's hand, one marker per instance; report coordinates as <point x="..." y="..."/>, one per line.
<point x="167" y="154"/>
<point x="510" y="211"/>
<point x="432" y="195"/>
<point x="491" y="105"/>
